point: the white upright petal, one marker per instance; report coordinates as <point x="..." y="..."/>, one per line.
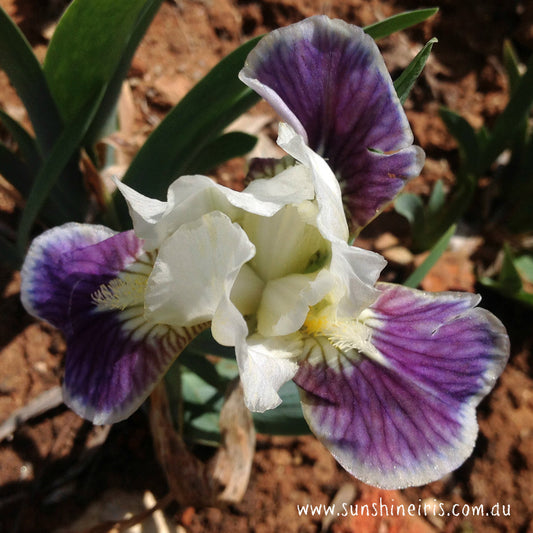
<point x="146" y="214"/>
<point x="195" y="269"/>
<point x="331" y="218"/>
<point x="286" y="242"/>
<point x="286" y="301"/>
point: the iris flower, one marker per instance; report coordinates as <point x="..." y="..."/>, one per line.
<point x="389" y="376"/>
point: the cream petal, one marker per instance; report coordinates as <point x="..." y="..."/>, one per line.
<point x="286" y="301"/>
<point x="357" y="271"/>
<point x="286" y="242"/>
<point x="195" y="269"/>
<point x="190" y="197"/>
<point x="265" y="364"/>
<point x="247" y="290"/>
<point x="331" y="218"/>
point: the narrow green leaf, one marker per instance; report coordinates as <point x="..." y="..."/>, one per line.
<point x="66" y="145"/>
<point x="218" y="99"/>
<point x="411" y="207"/>
<point x="114" y="85"/>
<point x="9" y="255"/>
<point x="509" y="277"/>
<point x="436" y="200"/>
<point x="15" y="171"/>
<point x="404" y="83"/>
<point x="514" y="113"/>
<point x="24" y="72"/>
<point x="465" y="136"/>
<point x="26" y="143"/>
<point x="509" y="282"/>
<point x="223" y="148"/>
<point x="399" y="22"/>
<point x="524" y="265"/>
<point x="510" y="61"/>
<point x="418" y="275"/>
<point x="86" y="49"/>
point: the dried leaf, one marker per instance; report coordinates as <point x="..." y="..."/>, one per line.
<point x="232" y="463"/>
<point x="187" y="476"/>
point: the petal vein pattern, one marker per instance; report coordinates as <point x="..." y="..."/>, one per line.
<point x="402" y="413"/>
<point x="89" y="283"/>
<point x="327" y="79"/>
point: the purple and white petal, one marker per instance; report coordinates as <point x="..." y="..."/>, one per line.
<point x="89" y="282"/>
<point x="405" y="414"/>
<point x="327" y="79"/>
<point x="45" y="288"/>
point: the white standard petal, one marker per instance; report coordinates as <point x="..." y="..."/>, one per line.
<point x="331" y="217"/>
<point x="190" y="197"/>
<point x="146" y="214"/>
<point x="195" y="270"/>
<point x="286" y="301"/>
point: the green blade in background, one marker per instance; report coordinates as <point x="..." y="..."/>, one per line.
<point x="216" y="101"/>
<point x="65" y="147"/>
<point x="15" y="171"/>
<point x="466" y="137"/>
<point x="24" y="71"/>
<point x="26" y="143"/>
<point x="227" y="146"/>
<point x="87" y="49"/>
<point x="398" y="22"/>
<point x="404" y="83"/>
<point x="440" y="247"/>
<point x="514" y="113"/>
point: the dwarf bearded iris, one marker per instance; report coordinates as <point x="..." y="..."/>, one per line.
<point x="389" y="376"/>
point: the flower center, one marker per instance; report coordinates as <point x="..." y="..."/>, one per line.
<point x="350" y="336"/>
<point x="127" y="289"/>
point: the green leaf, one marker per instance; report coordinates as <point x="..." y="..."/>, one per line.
<point x="511" y="63"/>
<point x="411" y="207"/>
<point x="108" y="106"/>
<point x="524" y="265"/>
<point x="514" y="113"/>
<point x="464" y="134"/>
<point x="24" y="72"/>
<point x="287" y="418"/>
<point x="218" y="99"/>
<point x="223" y="148"/>
<point x="509" y="277"/>
<point x="418" y="275"/>
<point x="436" y="200"/>
<point x="509" y="282"/>
<point x="86" y="50"/>
<point x="404" y="83"/>
<point x="399" y="22"/>
<point x="26" y="143"/>
<point x="15" y="171"/>
<point x="66" y="145"/>
<point x="9" y="255"/>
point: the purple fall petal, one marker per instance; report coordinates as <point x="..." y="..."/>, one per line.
<point x="114" y="356"/>
<point x="410" y="418"/>
<point x="327" y="79"/>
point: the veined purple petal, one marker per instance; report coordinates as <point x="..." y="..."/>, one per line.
<point x="114" y="355"/>
<point x="45" y="288"/>
<point x="327" y="79"/>
<point x="409" y="418"/>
